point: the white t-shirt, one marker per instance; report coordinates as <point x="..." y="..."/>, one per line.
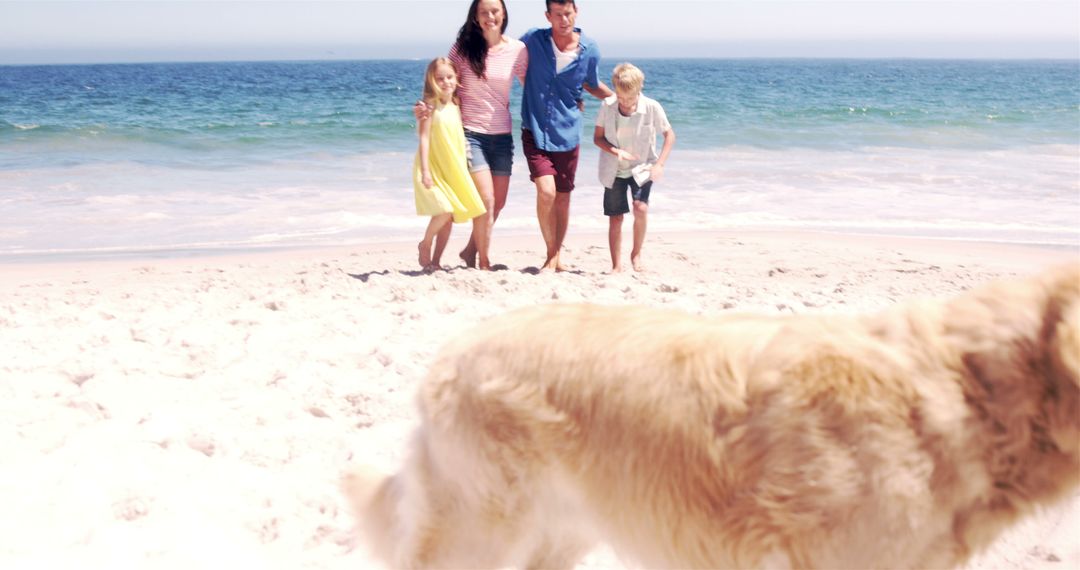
<point x="624" y="134"/>
<point x="563" y="58"/>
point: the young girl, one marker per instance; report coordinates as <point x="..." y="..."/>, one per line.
<point x="441" y="182"/>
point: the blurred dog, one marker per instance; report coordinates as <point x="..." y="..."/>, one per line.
<point x="908" y="439"/>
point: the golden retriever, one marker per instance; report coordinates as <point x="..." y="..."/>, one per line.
<point x="907" y="439"/>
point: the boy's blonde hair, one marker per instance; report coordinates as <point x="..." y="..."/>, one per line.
<point x="627" y="77"/>
<point x="431" y="89"/>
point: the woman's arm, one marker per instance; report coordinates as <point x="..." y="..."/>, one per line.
<point x="421" y="111"/>
<point x="521" y="66"/>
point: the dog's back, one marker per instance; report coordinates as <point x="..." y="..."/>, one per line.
<point x="739" y="441"/>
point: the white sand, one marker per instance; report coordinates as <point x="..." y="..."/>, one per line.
<point x="198" y="413"/>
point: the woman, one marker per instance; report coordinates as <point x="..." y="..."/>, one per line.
<point x="488" y="61"/>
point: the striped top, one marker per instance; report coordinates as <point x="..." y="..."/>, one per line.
<point x="485" y="103"/>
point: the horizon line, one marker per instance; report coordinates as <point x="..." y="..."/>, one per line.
<point x="181" y="61"/>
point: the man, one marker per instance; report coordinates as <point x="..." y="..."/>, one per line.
<point x="562" y="62"/>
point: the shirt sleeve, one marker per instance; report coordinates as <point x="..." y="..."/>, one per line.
<point x="660" y="120"/>
<point x="521" y="64"/>
<point x="601" y="115"/>
<point x="592" y="73"/>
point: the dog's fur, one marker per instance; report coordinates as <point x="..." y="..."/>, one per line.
<point x="907" y="439"/>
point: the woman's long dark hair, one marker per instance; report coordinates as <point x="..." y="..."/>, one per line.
<point x="471" y="42"/>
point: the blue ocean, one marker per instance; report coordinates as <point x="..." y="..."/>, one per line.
<point x="170" y="159"/>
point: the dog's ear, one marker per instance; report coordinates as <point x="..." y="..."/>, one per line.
<point x="370" y="494"/>
<point x="361" y="484"/>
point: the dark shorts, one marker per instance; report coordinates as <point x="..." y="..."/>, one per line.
<point x="494" y="152"/>
<point x="561" y="165"/>
<point x="615" y="203"/>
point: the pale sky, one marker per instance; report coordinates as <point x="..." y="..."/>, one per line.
<point x="81" y="31"/>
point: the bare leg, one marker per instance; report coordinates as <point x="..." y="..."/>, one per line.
<point x="479" y="241"/>
<point x="424" y="258"/>
<point x="436" y="224"/>
<point x="641" y="212"/>
<point x="441" y="239"/>
<point x="545" y="215"/>
<point x="501" y="187"/>
<point x="562" y="221"/>
<point x="615" y="242"/>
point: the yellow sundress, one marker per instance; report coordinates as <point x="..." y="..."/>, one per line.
<point x="453" y="190"/>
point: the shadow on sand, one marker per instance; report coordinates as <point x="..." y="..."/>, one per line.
<point x="531" y="270"/>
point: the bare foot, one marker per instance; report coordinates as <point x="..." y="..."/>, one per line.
<point x="618" y="269"/>
<point x="552" y="264"/>
<point x="469" y="257"/>
<point x="638" y="264"/>
<point x="425" y="255"/>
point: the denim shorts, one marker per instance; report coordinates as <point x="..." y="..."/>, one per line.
<point x="615" y="203"/>
<point x="494" y="152"/>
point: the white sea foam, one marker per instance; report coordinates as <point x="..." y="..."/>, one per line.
<point x="1029" y="194"/>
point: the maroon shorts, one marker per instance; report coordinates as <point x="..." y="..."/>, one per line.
<point x="561" y="165"/>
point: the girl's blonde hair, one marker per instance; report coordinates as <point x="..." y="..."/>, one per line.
<point x="432" y="93"/>
<point x="627" y="77"/>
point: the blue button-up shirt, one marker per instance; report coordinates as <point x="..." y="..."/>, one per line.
<point x="549" y="103"/>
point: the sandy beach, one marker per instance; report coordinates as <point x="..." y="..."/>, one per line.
<point x="198" y="413"/>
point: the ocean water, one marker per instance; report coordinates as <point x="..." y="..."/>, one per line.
<point x="167" y="159"/>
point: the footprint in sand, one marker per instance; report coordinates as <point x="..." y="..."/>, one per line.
<point x="131" y="508"/>
<point x="80" y="378"/>
<point x="203" y="444"/>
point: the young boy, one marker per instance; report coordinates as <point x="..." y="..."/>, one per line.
<point x="626" y="129"/>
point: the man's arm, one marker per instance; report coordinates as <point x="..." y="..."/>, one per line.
<point x="601" y="91"/>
